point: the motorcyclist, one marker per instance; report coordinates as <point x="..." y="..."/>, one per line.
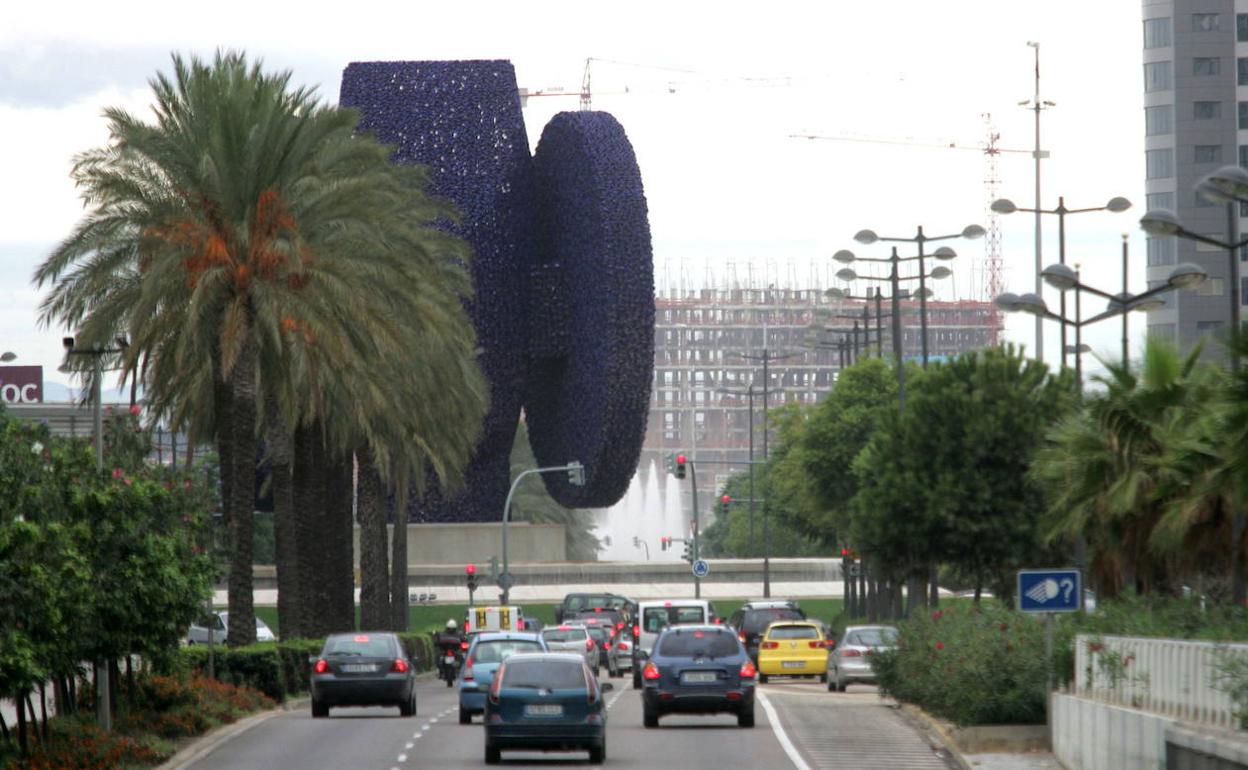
<point x="448" y="642"/>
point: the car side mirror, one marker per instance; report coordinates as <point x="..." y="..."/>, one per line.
<point x="607" y="687"/>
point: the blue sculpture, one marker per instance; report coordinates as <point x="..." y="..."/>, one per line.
<point x="562" y="266"/>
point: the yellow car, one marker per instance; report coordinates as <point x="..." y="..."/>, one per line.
<point x="793" y="648"/>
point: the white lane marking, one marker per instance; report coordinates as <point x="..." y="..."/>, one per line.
<point x="402" y="757"/>
<point x="424" y="727"/>
<point x="408" y="746"/>
<point x="614" y="698"/>
<point x="774" y="720"/>
<point x="432" y="721"/>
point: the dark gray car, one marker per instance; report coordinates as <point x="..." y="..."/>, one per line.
<point x="363" y="669"/>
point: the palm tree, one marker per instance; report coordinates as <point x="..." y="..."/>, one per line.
<point x="257" y="252"/>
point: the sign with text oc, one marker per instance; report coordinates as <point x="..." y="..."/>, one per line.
<point x="1049" y="590"/>
<point x="21" y="384"/>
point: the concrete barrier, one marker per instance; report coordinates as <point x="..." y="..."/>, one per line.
<point x="1091" y="735"/>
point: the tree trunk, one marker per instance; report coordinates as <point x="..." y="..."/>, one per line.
<point x="398" y="568"/>
<point x="286" y="544"/>
<point x="933" y="577"/>
<point x="240" y="505"/>
<point x="22" y="744"/>
<point x="308" y="535"/>
<point x="374" y="568"/>
<point x="341" y="518"/>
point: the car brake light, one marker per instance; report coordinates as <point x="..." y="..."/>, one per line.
<point x="321" y="666"/>
<point x="741" y="636"/>
<point x="719" y="621"/>
<point x="468" y="669"/>
<point x="850" y="654"/>
<point x="467" y="626"/>
<point x="651" y="671"/>
<point x="463" y="645"/>
<point x="589" y="644"/>
<point x="622" y="646"/>
<point x="399" y="666"/>
<point x="636" y="631"/>
<point x="770" y="645"/>
<point x="747" y="670"/>
<point x="619" y="626"/>
<point x="497" y="685"/>
<point x="816" y="645"/>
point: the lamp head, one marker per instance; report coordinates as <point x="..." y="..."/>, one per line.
<point x="1032" y="303"/>
<point x="8" y="356"/>
<point x="1077" y="349"/>
<point x="1186" y="276"/>
<point x="1160" y="222"/>
<point x="1003" y="206"/>
<point x="67" y="343"/>
<point x="924" y="293"/>
<point x="866" y="236"/>
<point x="835" y="293"/>
<point x="844" y="256"/>
<point x="941" y="272"/>
<point x="1008" y="302"/>
<point x="1229" y="183"/>
<point x="1145" y="305"/>
<point x="944" y="252"/>
<point x="1060" y="277"/>
<point x="1118" y="204"/>
<point x="847" y="274"/>
<point x="972" y="232"/>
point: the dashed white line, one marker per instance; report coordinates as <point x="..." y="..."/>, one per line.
<point x="402" y="757"/>
<point x="424" y="727"/>
<point x="408" y="745"/>
<point x="614" y="698"/>
<point x="781" y="735"/>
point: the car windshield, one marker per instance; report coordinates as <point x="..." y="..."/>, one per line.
<point x="655" y="619"/>
<point x="698" y="643"/>
<point x="498" y="650"/>
<point x="873" y="637"/>
<point x="792" y="632"/>
<point x="564" y="634"/>
<point x="544" y="674"/>
<point x="360" y="644"/>
<point x="756" y="620"/>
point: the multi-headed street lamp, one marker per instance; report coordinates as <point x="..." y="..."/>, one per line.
<point x="878" y="299"/>
<point x="969" y="232"/>
<point x="1116" y="205"/>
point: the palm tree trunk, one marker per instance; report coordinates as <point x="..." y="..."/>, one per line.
<point x="398" y="567"/>
<point x="307" y="532"/>
<point x="374" y="569"/>
<point x="281" y="454"/>
<point x="341" y="519"/>
<point x="240" y="505"/>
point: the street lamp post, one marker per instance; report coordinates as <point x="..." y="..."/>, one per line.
<point x="750" y="394"/>
<point x="576" y="476"/>
<point x="1116" y="205"/>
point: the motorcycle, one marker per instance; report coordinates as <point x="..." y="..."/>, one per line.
<point x="449" y="660"/>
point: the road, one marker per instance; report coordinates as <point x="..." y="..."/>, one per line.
<point x="802" y="726"/>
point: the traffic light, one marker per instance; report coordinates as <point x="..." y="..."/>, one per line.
<point x="688" y="554"/>
<point x="665" y="542"/>
<point x="726" y="499"/>
<point x="471" y="572"/>
<point x="680" y="466"/>
<point x="576" y="474"/>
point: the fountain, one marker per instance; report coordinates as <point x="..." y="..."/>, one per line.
<point x="650" y="509"/>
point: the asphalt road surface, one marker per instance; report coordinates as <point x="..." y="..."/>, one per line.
<point x="799" y="725"/>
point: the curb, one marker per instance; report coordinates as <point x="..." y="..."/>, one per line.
<point x="935" y="733"/>
<point x="210" y="740"/>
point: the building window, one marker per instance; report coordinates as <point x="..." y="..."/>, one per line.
<point x="1241" y="27"/>
<point x="1156" y="33"/>
<point x="1158" y="164"/>
<point x="1243" y="291"/>
<point x="1243" y="71"/>
<point x="1206" y="110"/>
<point x="1207" y="153"/>
<point x="1163" y="250"/>
<point x="1164" y="332"/>
<point x="1206" y="327"/>
<point x="1206" y="22"/>
<point x="1205" y="66"/>
<point x="1163" y="200"/>
<point x="1243" y="115"/>
<point x="1159" y="120"/>
<point x="1211" y="288"/>
<point x="1158" y="76"/>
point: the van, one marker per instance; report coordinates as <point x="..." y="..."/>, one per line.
<point x="505" y="618"/>
<point x="654" y="616"/>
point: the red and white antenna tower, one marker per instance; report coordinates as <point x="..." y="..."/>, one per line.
<point x="993" y="282"/>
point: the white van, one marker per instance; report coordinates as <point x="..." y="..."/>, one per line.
<point x="654" y="616"/>
<point x="508" y="618"/>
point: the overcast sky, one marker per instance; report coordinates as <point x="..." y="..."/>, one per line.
<point x="713" y="92"/>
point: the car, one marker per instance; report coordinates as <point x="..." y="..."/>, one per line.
<point x="578" y="602"/>
<point x="618" y="618"/>
<point x="793" y="648"/>
<point x="614" y="650"/>
<point x="698" y="669"/>
<point x="572" y="637"/>
<point x="546" y="701"/>
<point x="363" y="669"/>
<point x="486" y="652"/>
<point x="850" y="660"/>
<point x="654" y="616"/>
<point x="216" y="627"/>
<point x="752" y="618"/>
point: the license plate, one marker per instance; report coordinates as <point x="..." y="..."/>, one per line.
<point x="792" y="664"/>
<point x="359" y="668"/>
<point x="543" y="710"/>
<point x="698" y="677"/>
<point x="450" y="658"/>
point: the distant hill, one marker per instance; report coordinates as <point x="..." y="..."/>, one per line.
<point x="57" y="393"/>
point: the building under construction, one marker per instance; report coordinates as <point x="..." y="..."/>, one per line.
<point x="712" y="345"/>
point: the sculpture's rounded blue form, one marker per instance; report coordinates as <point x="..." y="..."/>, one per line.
<point x="462" y="120"/>
<point x="592" y="309"/>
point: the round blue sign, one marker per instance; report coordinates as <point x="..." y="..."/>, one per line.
<point x="701" y="568"/>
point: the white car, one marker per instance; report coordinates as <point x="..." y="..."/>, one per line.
<point x="654" y="616"/>
<point x="220" y="622"/>
<point x="574" y="638"/>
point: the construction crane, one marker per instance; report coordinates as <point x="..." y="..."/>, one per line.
<point x="992" y="280"/>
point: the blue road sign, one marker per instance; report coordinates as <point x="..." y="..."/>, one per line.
<point x="1049" y="590"/>
<point x="701" y="568"/>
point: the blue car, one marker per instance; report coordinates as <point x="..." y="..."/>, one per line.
<point x="549" y="702"/>
<point x="486" y="652"/>
<point x="702" y="669"/>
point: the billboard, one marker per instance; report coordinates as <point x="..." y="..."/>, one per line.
<point x="21" y="384"/>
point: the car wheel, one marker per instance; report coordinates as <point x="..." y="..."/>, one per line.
<point x="649" y="716"/>
<point x="598" y="754"/>
<point x="831" y="684"/>
<point x="465" y="717"/>
<point x="492" y="755"/>
<point x="762" y="678"/>
<point x="319" y="709"/>
<point x="450" y="681"/>
<point x="823" y="677"/>
<point x="840" y="684"/>
<point x="408" y="708"/>
<point x="746" y="718"/>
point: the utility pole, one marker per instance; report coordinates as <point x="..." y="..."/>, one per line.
<point x="1037" y="105"/>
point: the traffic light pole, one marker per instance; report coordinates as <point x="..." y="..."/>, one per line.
<point x="697" y="533"/>
<point x="693" y="464"/>
<point x="575" y="475"/>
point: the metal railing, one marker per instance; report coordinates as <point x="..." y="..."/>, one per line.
<point x="1170" y="677"/>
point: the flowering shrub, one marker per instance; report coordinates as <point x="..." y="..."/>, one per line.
<point x="969" y="665"/>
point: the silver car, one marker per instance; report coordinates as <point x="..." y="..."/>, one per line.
<point x="572" y="637"/>
<point x="850" y="660"/>
<point x="217" y="625"/>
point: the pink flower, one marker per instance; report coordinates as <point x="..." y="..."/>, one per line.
<point x="940" y="645"/>
<point x="127" y="481"/>
<point x="117" y="473"/>
<point x="136" y="409"/>
<point x="936" y="615"/>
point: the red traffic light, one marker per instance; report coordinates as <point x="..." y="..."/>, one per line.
<point x="680" y="459"/>
<point x="471" y="569"/>
<point x="844" y="552"/>
<point x="726" y="499"/>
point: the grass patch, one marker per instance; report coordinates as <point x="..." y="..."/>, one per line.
<point x="426" y="617"/>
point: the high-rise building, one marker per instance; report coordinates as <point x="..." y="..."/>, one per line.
<point x="1195" y="121"/>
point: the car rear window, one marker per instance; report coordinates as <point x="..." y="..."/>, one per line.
<point x="756" y="620"/>
<point x="657" y="618"/>
<point x="873" y="637"/>
<point x="564" y="634"/>
<point x="793" y="632"/>
<point x="498" y="650"/>
<point x="364" y="645"/>
<point x="544" y="674"/>
<point x="598" y="632"/>
<point x="698" y="643"/>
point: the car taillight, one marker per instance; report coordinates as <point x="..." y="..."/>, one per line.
<point x="619" y="626"/>
<point x="747" y="670"/>
<point x="636" y="632"/>
<point x="741" y="636"/>
<point x="463" y="645"/>
<point x="651" y="671"/>
<point x="321" y="666"/>
<point x="467" y="626"/>
<point x="816" y="645"/>
<point x="589" y="644"/>
<point x="850" y="654"/>
<point x="622" y="646"/>
<point x="769" y="645"/>
<point x="399" y="666"/>
<point x="468" y="669"/>
<point x="496" y="687"/>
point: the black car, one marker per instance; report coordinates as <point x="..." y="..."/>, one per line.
<point x="750" y="622"/>
<point x="363" y="669"/>
<point x="575" y="603"/>
<point x="698" y="669"/>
